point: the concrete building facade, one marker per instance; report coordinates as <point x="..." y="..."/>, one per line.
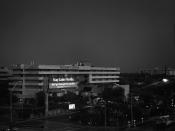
<point x="27" y="80"/>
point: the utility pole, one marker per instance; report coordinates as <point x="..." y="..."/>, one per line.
<point x="46" y="86"/>
<point x="105" y="113"/>
<point x="11" y="108"/>
<point x="131" y="111"/>
<point x="165" y="71"/>
<point x="46" y="104"/>
<point x="23" y="80"/>
<point x="11" y="101"/>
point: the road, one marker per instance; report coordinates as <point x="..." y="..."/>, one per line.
<point x="50" y="125"/>
<point x="63" y="124"/>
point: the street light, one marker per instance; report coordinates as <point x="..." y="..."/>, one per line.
<point x="11" y="101"/>
<point x="165" y="80"/>
<point x="131" y="109"/>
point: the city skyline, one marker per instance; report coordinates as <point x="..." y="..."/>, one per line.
<point x="125" y="34"/>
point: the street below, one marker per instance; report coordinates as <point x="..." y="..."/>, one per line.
<point x="61" y="123"/>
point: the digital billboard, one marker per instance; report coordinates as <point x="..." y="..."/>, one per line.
<point x="71" y="106"/>
<point x="59" y="83"/>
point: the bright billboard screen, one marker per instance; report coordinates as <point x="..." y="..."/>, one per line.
<point x="57" y="83"/>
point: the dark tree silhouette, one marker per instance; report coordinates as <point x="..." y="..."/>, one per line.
<point x="40" y="99"/>
<point x="4" y="93"/>
<point x="113" y="94"/>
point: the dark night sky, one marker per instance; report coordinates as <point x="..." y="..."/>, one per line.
<point x="131" y="34"/>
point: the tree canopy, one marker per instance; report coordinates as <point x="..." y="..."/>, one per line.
<point x="4" y="93"/>
<point x="113" y="94"/>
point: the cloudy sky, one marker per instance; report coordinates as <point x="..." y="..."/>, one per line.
<point x="129" y="34"/>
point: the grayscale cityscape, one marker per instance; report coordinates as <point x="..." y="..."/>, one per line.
<point x="87" y="65"/>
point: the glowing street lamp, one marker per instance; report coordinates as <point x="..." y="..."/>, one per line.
<point x="165" y="80"/>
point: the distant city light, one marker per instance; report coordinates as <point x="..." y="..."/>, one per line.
<point x="165" y="80"/>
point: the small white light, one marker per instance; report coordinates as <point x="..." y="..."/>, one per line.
<point x="165" y="80"/>
<point x="71" y="106"/>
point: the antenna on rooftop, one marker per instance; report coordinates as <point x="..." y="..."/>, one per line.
<point x="32" y="62"/>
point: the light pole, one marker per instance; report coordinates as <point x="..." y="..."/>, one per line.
<point x="131" y="111"/>
<point x="23" y="79"/>
<point x="24" y="68"/>
<point x="11" y="101"/>
<point x="105" y="113"/>
<point x="46" y="86"/>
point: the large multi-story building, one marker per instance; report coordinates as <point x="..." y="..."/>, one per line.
<point x="27" y="80"/>
<point x="4" y="74"/>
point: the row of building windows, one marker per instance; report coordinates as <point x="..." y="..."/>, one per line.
<point x="41" y="81"/>
<point x="17" y="92"/>
<point x="33" y="87"/>
<point x="19" y="87"/>
<point x="105" y="74"/>
<point x="68" y="70"/>
<point x="28" y="75"/>
<point x="39" y="77"/>
<point x="4" y="77"/>
<point x="103" y="79"/>
<point x="33" y="81"/>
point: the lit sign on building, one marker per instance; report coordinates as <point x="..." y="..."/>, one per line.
<point x="71" y="106"/>
<point x="62" y="83"/>
<point x="62" y="79"/>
